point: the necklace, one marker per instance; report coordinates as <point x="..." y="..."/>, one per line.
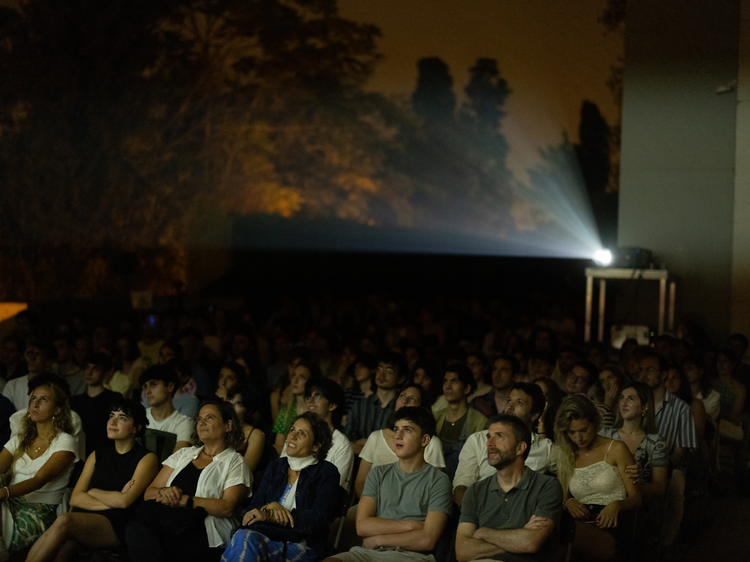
<point x="209" y="456"/>
<point x="39" y="448"/>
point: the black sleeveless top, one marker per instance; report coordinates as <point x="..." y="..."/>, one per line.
<point x="111" y="472"/>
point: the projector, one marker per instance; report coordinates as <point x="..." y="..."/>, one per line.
<point x="632" y="258"/>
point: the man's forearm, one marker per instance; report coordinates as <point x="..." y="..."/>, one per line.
<point x="372" y="526"/>
<point x="519" y="541"/>
<point x="418" y="541"/>
<point x="471" y="549"/>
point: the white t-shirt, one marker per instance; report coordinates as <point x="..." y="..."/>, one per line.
<point x="17" y="391"/>
<point x="227" y="469"/>
<point x="177" y="423"/>
<point x="377" y="451"/>
<point x="712" y="403"/>
<point x="473" y="465"/>
<point x="341" y="455"/>
<point x="26" y="468"/>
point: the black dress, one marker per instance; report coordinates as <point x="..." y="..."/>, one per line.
<point x="111" y="473"/>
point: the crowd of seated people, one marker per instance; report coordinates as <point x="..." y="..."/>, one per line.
<point x="440" y="434"/>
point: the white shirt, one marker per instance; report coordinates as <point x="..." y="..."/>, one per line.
<point x="26" y="468"/>
<point x="341" y="455"/>
<point x="177" y="423"/>
<point x="16" y="424"/>
<point x="17" y="391"/>
<point x="377" y="451"/>
<point x="473" y="465"/>
<point x="712" y="403"/>
<point x="227" y="469"/>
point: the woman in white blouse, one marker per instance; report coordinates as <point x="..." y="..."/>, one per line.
<point x="196" y="494"/>
<point x="380" y="447"/>
<point x="41" y="459"/>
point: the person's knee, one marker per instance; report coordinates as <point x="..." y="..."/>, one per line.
<point x="64" y="525"/>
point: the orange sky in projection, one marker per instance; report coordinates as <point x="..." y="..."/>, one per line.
<point x="553" y="53"/>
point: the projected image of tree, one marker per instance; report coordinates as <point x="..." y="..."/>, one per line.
<point x="120" y="119"/>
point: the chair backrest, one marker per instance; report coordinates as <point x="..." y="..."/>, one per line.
<point x="160" y="442"/>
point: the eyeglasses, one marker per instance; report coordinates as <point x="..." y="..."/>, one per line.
<point x="317" y="397"/>
<point x="577" y="379"/>
<point x="387" y="370"/>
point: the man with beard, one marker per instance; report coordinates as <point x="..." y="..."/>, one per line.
<point x="512" y="515"/>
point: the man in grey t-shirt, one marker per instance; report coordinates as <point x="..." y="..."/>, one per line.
<point x="512" y="515"/>
<point x="405" y="505"/>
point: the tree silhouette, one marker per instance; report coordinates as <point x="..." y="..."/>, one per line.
<point x="434" y="100"/>
<point x="118" y="119"/>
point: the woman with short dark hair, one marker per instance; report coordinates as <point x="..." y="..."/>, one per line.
<point x="108" y="490"/>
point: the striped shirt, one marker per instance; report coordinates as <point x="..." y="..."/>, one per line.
<point x="367" y="415"/>
<point x="674" y="422"/>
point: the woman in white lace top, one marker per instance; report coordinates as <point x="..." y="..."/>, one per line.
<point x="597" y="490"/>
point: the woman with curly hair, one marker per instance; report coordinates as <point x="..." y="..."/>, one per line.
<point x="289" y="516"/>
<point x="597" y="490"/>
<point x="41" y="459"/>
<point x="107" y="492"/>
<point x="189" y="509"/>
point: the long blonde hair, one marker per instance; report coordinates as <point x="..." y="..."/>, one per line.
<point x="576" y="407"/>
<point x="62" y="421"/>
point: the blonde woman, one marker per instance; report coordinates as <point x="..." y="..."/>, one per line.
<point x="597" y="490"/>
<point x="40" y="459"/>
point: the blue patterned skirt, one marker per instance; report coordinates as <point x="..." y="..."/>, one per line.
<point x="251" y="546"/>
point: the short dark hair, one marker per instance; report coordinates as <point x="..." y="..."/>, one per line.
<point x="590" y="368"/>
<point x="251" y="400"/>
<point x="464" y="375"/>
<point x="645" y="352"/>
<point x="741" y="338"/>
<point x="238" y="370"/>
<point x="321" y="433"/>
<point x="312" y="366"/>
<point x="100" y="359"/>
<point x="331" y="391"/>
<point x="163" y="373"/>
<point x="534" y="392"/>
<point x="418" y="415"/>
<point x="520" y="431"/>
<point x="234" y="436"/>
<point x="46" y="379"/>
<point x="515" y="366"/>
<point x="367" y="360"/>
<point x="133" y="409"/>
<point x="395" y="360"/>
<point x="44" y="345"/>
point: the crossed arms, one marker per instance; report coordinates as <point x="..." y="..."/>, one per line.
<point x="473" y="543"/>
<point x="419" y="536"/>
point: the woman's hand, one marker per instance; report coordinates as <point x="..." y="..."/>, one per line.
<point x="281" y="515"/>
<point x="577" y="510"/>
<point x="170" y="496"/>
<point x="635" y="472"/>
<point x="608" y="516"/>
<point x="254" y="516"/>
<point x="127" y="486"/>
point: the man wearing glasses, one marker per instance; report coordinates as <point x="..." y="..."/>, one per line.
<point x="326" y="398"/>
<point x="371" y="413"/>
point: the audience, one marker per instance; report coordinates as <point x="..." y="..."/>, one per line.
<point x="659" y="421"/>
